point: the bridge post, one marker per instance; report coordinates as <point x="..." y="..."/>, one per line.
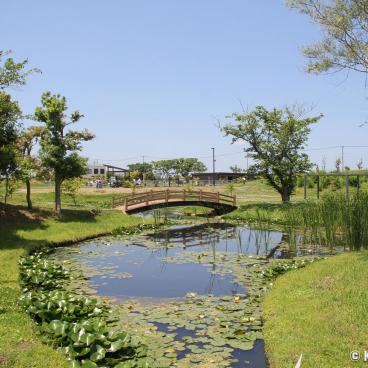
<point x="184" y="195"/>
<point x="125" y="204"/>
<point x="218" y="197"/>
<point x="200" y="195"/>
<point x="167" y="194"/>
<point x="147" y="195"/>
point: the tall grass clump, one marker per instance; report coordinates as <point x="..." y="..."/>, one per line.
<point x="333" y="220"/>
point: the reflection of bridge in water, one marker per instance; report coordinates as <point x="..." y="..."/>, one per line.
<point x="197" y="235"/>
<point x="144" y="201"/>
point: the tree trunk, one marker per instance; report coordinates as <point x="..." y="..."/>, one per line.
<point x="6" y="192"/>
<point x="58" y="195"/>
<point x="285" y="194"/>
<point x="28" y="195"/>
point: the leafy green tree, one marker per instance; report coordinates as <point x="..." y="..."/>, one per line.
<point x="29" y="164"/>
<point x="71" y="187"/>
<point x="13" y="73"/>
<point x="345" y="34"/>
<point x="143" y="168"/>
<point x="275" y="141"/>
<point x="178" y="167"/>
<point x="10" y="114"/>
<point x="59" y="147"/>
<point x="164" y="168"/>
<point x="186" y="166"/>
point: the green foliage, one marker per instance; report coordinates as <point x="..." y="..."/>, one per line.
<point x="344" y="25"/>
<point x="278" y="269"/>
<point x="334" y="220"/>
<point x="142" y="168"/>
<point x="13" y="73"/>
<point x="129" y="230"/>
<point x="180" y="167"/>
<point x="78" y="325"/>
<point x="71" y="188"/>
<point x="10" y="114"/>
<point x="275" y="140"/>
<point x="59" y="148"/>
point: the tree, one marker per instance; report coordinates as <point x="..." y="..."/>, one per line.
<point x="275" y="140"/>
<point x="236" y="169"/>
<point x="360" y="164"/>
<point x="143" y="168"/>
<point x="12" y="73"/>
<point x="187" y="166"/>
<point x="178" y="167"/>
<point x="10" y="114"/>
<point x="71" y="188"/>
<point x="59" y="147"/>
<point x="28" y="163"/>
<point x="345" y="27"/>
<point x="338" y="164"/>
<point x="164" y="168"/>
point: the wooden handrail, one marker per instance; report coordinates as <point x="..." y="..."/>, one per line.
<point x="172" y="195"/>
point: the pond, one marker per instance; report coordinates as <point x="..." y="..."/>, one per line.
<point x="191" y="291"/>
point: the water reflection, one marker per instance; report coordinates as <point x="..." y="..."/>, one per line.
<point x="144" y="273"/>
<point x="222" y="237"/>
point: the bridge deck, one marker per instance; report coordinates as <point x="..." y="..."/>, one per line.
<point x="140" y="202"/>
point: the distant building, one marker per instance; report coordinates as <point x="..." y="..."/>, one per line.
<point x="96" y="170"/>
<point x="218" y="176"/>
<point x="105" y="170"/>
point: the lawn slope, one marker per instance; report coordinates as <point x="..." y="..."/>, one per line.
<point x="320" y="311"/>
<point x="20" y="232"/>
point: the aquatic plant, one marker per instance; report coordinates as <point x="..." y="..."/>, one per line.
<point x="78" y="325"/>
<point x="331" y="221"/>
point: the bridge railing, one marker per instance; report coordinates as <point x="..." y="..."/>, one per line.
<point x="172" y="195"/>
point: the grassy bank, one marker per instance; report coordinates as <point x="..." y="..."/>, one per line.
<point x="20" y="232"/>
<point x="319" y="311"/>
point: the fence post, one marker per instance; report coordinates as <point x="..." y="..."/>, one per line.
<point x="347" y="186"/>
<point x="167" y="195"/>
<point x="184" y="195"/>
<point x="358" y="183"/>
<point x="200" y="195"/>
<point x="218" y="197"/>
<point x="317" y="186"/>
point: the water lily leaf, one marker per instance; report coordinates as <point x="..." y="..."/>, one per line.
<point x="89" y="364"/>
<point x="98" y="353"/>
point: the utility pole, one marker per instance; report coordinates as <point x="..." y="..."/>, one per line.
<point x="144" y="172"/>
<point x="342" y="158"/>
<point x="213" y="165"/>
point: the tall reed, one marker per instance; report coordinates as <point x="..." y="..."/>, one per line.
<point x="331" y="221"/>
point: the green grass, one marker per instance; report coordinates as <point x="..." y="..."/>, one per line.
<point x="21" y="232"/>
<point x="320" y="311"/>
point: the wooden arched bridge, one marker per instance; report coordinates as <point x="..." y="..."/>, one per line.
<point x="144" y="201"/>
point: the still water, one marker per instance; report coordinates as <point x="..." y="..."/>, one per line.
<point x="126" y="268"/>
<point x="147" y="267"/>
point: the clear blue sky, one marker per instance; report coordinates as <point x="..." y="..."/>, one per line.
<point x="152" y="77"/>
